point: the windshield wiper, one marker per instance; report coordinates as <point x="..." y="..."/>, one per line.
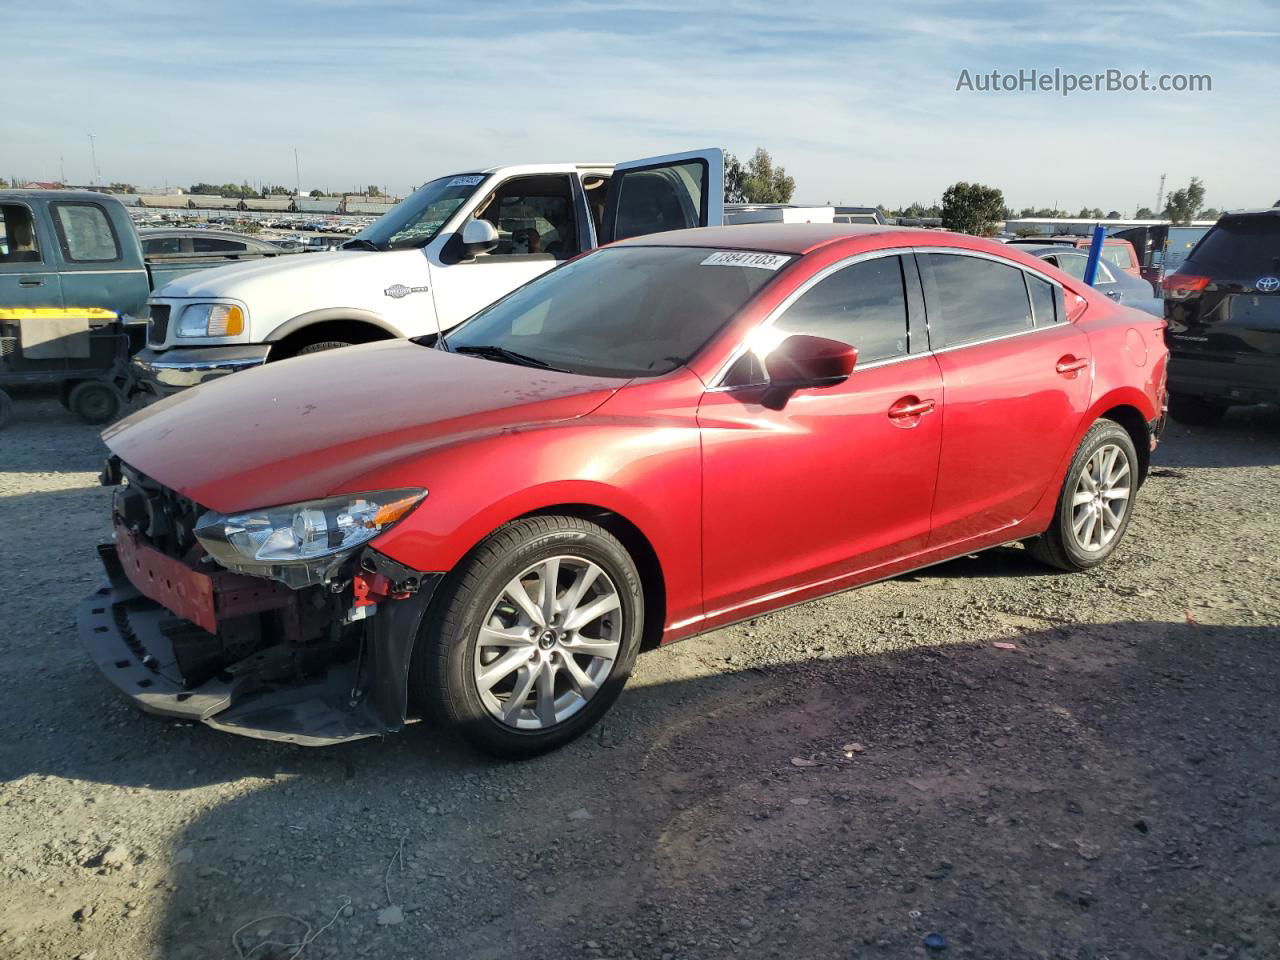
<point x="360" y="242"/>
<point x="493" y="352"/>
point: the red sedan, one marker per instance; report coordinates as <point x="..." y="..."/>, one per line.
<point x="659" y="438"/>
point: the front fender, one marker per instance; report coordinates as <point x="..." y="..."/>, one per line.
<point x="327" y="314"/>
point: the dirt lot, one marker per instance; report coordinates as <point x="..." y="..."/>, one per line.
<point x="838" y="780"/>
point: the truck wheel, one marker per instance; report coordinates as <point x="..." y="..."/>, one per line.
<point x="1096" y="501"/>
<point x="321" y="347"/>
<point x="64" y="393"/>
<point x="94" y="401"/>
<point x="1196" y="411"/>
<point x="532" y="637"/>
<point x="6" y="409"/>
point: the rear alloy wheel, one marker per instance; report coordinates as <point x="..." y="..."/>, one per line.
<point x="533" y="637"/>
<point x="1096" y="501"/>
<point x="95" y="401"/>
<point x="1196" y="411"/>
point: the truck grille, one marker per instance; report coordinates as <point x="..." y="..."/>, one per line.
<point x="159" y="329"/>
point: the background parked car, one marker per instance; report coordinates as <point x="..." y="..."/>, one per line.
<point x="1161" y="248"/>
<point x="186" y="242"/>
<point x="1223" y="309"/>
<point x="1120" y="286"/>
<point x="1115" y="250"/>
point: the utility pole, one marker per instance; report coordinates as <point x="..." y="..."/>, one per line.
<point x="1160" y="195"/>
<point x="297" y="176"/>
<point x="62" y="168"/>
<point x="93" y="153"/>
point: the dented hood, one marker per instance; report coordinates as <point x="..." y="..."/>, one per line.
<point x="308" y="427"/>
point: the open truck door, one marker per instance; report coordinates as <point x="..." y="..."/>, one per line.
<point x="656" y="194"/>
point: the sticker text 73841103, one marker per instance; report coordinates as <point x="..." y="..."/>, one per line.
<point x="745" y="258"/>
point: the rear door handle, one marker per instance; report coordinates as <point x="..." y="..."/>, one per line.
<point x="1070" y="365"/>
<point x="31" y="282"/>
<point x="910" y="407"/>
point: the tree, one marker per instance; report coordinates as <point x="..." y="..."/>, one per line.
<point x="1145" y="213"/>
<point x="758" y="181"/>
<point x="3" y="183"/>
<point x="1210" y="213"/>
<point x="317" y="193"/>
<point x="372" y="191"/>
<point x="1185" y="203"/>
<point x="972" y="208"/>
<point x="122" y="188"/>
<point x="1090" y="213"/>
<point x="1115" y="215"/>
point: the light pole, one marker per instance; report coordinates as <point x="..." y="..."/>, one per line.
<point x="93" y="153"/>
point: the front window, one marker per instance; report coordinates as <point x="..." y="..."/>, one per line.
<point x="621" y="311"/>
<point x="17" y="235"/>
<point x="418" y="218"/>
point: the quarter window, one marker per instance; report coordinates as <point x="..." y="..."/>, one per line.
<point x="1044" y="300"/>
<point x="972" y="299"/>
<point x="85" y="232"/>
<point x="863" y="305"/>
<point x="216" y="245"/>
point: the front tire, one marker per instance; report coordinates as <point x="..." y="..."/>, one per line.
<point x="322" y="346"/>
<point x="1096" y="501"/>
<point x="532" y="637"/>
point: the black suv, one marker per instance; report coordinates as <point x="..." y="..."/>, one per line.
<point x="1223" y="310"/>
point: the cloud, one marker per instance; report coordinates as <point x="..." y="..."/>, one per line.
<point x="858" y="101"/>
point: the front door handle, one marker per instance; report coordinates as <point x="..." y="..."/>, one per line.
<point x="909" y="408"/>
<point x="31" y="282"/>
<point x="1070" y="365"/>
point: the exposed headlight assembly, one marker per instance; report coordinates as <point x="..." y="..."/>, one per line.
<point x="211" y="320"/>
<point x="301" y="544"/>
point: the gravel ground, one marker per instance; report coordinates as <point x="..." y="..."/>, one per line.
<point x="841" y="779"/>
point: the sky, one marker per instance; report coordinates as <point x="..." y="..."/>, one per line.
<point x="857" y="101"/>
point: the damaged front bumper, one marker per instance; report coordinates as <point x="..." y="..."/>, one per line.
<point x="313" y="694"/>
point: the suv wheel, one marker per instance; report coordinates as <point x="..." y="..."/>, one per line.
<point x="1096" y="501"/>
<point x="533" y="636"/>
<point x="1196" y="411"/>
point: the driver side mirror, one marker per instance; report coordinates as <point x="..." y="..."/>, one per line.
<point x="478" y="236"/>
<point x="801" y="362"/>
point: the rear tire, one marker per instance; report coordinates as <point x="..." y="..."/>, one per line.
<point x="95" y="401"/>
<point x="531" y="682"/>
<point x="1196" y="411"/>
<point x="1096" y="501"/>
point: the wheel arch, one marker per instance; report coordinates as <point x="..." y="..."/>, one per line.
<point x="1135" y="424"/>
<point x="332" y="323"/>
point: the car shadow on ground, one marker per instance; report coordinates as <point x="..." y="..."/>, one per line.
<point x="1246" y="437"/>
<point x="1102" y="789"/>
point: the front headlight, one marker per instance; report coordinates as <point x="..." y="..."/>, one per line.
<point x="211" y="320"/>
<point x="302" y="543"/>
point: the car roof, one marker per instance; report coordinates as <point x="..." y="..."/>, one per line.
<point x="1054" y="248"/>
<point x="793" y="238"/>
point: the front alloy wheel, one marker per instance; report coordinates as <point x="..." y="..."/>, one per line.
<point x="548" y="643"/>
<point x="532" y="637"/>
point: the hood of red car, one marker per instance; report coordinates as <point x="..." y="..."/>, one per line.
<point x="308" y="427"/>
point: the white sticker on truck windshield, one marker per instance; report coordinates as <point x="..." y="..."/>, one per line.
<point x="466" y="181"/>
<point x="739" y="258"/>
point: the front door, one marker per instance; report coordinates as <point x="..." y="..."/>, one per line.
<point x="28" y="267"/>
<point x="1017" y="377"/>
<point x="672" y="192"/>
<point x="840" y="479"/>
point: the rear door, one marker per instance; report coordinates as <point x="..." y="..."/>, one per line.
<point x="671" y="192"/>
<point x="28" y="267"/>
<point x="1223" y="308"/>
<point x="1016" y="378"/>
<point x="94" y="271"/>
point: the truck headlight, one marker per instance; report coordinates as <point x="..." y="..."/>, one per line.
<point x="302" y="543"/>
<point x="211" y="320"/>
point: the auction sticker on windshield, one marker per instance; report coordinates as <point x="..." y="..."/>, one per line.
<point x="470" y="181"/>
<point x="739" y="258"/>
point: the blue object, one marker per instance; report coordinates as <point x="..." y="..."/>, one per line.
<point x="1095" y="251"/>
<point x="935" y="941"/>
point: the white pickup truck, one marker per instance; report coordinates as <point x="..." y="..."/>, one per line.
<point x="454" y="246"/>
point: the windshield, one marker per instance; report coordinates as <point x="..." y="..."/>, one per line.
<point x="419" y="217"/>
<point x="621" y="311"/>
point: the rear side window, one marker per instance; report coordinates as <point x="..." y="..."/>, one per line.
<point x="162" y="246"/>
<point x="216" y="245"/>
<point x="1044" y="301"/>
<point x="18" y="235"/>
<point x="863" y="305"/>
<point x="85" y="232"/>
<point x="973" y="299"/>
<point x="1243" y="248"/>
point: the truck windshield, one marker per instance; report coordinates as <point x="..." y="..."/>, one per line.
<point x="619" y="312"/>
<point x="419" y="217"/>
